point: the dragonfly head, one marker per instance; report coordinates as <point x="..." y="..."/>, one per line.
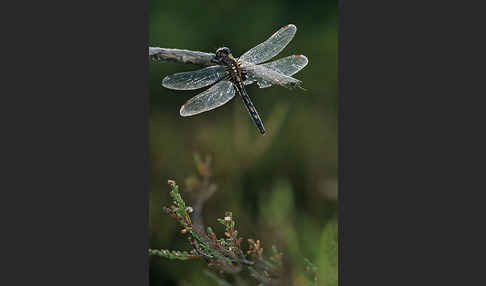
<point x="221" y="53"/>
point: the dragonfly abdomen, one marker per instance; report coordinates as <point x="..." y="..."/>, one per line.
<point x="238" y="77"/>
<point x="251" y="108"/>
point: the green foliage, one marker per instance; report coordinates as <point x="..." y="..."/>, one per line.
<point x="178" y="210"/>
<point x="311" y="271"/>
<point x="328" y="254"/>
<point x="180" y="255"/>
<point x="225" y="255"/>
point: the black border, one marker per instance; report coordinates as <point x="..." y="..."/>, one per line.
<point x="76" y="160"/>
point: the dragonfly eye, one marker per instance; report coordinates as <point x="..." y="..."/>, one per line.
<point x="224" y="51"/>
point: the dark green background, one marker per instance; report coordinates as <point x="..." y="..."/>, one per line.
<point x="281" y="187"/>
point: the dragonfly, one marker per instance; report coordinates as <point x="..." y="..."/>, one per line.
<point x="229" y="75"/>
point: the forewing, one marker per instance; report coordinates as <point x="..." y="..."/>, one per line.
<point x="215" y="96"/>
<point x="271" y="47"/>
<point x="266" y="77"/>
<point x="195" y="79"/>
<point x="287" y="66"/>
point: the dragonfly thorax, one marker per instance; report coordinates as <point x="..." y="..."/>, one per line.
<point x="224" y="57"/>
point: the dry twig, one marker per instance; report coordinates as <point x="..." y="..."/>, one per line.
<point x="181" y="56"/>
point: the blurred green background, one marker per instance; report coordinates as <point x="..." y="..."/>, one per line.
<point x="281" y="187"/>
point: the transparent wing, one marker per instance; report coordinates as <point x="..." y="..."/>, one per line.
<point x="271" y="47"/>
<point x="269" y="77"/>
<point x="195" y="79"/>
<point x="287" y="66"/>
<point x="215" y="96"/>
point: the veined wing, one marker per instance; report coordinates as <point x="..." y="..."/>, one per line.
<point x="195" y="79"/>
<point x="287" y="66"/>
<point x="269" y="77"/>
<point x="271" y="47"/>
<point x="215" y="96"/>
